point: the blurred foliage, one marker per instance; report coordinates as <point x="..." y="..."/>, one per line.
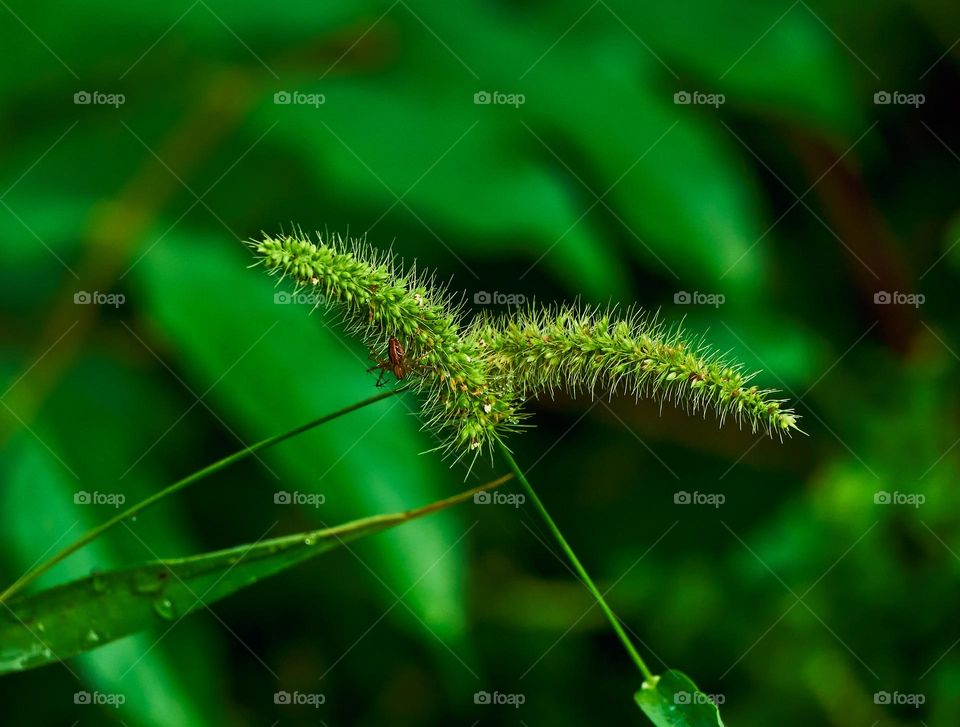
<point x="798" y="199"/>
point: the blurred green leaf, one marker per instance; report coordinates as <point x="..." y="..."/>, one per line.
<point x="748" y="50"/>
<point x="458" y="169"/>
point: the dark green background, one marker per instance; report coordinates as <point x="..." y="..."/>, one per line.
<point x="798" y="199"/>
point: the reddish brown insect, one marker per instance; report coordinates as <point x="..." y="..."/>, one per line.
<point x="395" y="363"/>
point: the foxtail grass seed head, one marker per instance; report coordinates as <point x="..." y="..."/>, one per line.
<point x="474" y="376"/>
<point x="595" y="351"/>
<point x="379" y="301"/>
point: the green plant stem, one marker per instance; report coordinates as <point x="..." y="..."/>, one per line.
<point x="92" y="534"/>
<point x="577" y="566"/>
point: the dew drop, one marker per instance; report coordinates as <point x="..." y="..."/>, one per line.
<point x="164" y="608"/>
<point x="146" y="582"/>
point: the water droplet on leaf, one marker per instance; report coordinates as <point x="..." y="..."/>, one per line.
<point x="165" y="608"/>
<point x="146" y="582"/>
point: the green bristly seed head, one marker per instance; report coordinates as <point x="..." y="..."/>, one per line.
<point x="377" y="301"/>
<point x="600" y="353"/>
<point x="473" y="377"/>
